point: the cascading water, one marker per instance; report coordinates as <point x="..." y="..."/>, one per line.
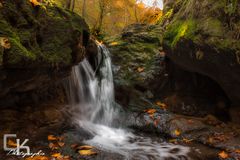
<point x="92" y="97"/>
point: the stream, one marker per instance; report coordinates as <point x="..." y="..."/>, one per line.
<point x="91" y="94"/>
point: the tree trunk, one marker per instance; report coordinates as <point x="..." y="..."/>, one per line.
<point x="84" y="9"/>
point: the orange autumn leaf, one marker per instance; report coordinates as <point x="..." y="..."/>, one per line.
<point x="11" y="143"/>
<point x="38" y="158"/>
<point x="61" y="144"/>
<point x="223" y="155"/>
<point x="87" y="152"/>
<point x="35" y="2"/>
<point x="53" y="146"/>
<point x="177" y="132"/>
<point x="56" y="155"/>
<point x="140" y="69"/>
<point x="150" y="111"/>
<point x="52" y="138"/>
<point x="237" y="151"/>
<point x="161" y="105"/>
<point x="85" y="147"/>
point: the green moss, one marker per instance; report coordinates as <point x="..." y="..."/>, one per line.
<point x="166" y="16"/>
<point x="231" y="6"/>
<point x="18" y="52"/>
<point x="178" y="30"/>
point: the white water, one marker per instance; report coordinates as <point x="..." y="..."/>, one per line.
<point x="92" y="95"/>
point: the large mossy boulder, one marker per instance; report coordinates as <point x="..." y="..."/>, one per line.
<point x="41" y="36"/>
<point x="38" y="46"/>
<point x="204" y="37"/>
<point x="136" y="58"/>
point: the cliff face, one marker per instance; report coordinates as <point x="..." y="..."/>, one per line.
<point x="204" y="37"/>
<point x="39" y="44"/>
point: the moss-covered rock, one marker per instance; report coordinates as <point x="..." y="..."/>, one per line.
<point x="41" y="36"/>
<point x="204" y="37"/>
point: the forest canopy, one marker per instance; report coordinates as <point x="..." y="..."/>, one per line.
<point x="109" y="17"/>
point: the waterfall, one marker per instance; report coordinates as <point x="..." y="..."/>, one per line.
<point x="92" y="99"/>
<point x="93" y="96"/>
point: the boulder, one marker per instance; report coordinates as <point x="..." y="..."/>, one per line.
<point x="204" y="37"/>
<point x="39" y="45"/>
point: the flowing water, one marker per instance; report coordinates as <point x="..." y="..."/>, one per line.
<point x="92" y="97"/>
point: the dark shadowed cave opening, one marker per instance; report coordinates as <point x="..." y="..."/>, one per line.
<point x="192" y="93"/>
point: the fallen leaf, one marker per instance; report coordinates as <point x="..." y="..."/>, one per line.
<point x="223" y="155"/>
<point x="74" y="146"/>
<point x="185" y="140"/>
<point x="237" y="151"/>
<point x="113" y="44"/>
<point x="61" y="144"/>
<point x="150" y="111"/>
<point x="37" y="158"/>
<point x="35" y="3"/>
<point x="4" y="42"/>
<point x="52" y="138"/>
<point x="56" y="155"/>
<point x="53" y="146"/>
<point x="173" y="141"/>
<point x="66" y="158"/>
<point x="11" y="143"/>
<point x="85" y="147"/>
<point x="140" y="69"/>
<point x="87" y="152"/>
<point x="161" y="105"/>
<point x="177" y="132"/>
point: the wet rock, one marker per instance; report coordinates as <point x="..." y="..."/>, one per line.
<point x="186" y="128"/>
<point x="205" y="40"/>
